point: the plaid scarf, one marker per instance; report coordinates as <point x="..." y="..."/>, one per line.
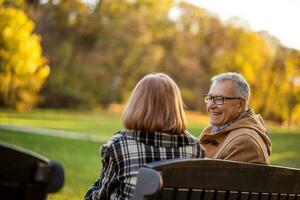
<point x="127" y="151"/>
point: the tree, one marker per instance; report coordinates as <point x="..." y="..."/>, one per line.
<point x="198" y="34"/>
<point x="282" y="96"/>
<point x="127" y="45"/>
<point x="23" y="69"/>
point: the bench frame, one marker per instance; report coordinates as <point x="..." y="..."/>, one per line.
<point x="26" y="175"/>
<point x="213" y="179"/>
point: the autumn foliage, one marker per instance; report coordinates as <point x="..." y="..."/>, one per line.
<point x="97" y="54"/>
<point x="23" y="69"/>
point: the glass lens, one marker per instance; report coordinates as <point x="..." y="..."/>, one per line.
<point x="219" y="100"/>
<point x="207" y="98"/>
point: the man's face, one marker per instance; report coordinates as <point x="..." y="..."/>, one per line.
<point x="230" y="109"/>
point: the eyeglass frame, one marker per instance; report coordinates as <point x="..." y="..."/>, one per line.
<point x="209" y="98"/>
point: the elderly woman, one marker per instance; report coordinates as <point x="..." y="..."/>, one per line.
<point x="155" y="124"/>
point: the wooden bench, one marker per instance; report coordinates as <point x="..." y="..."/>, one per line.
<point x="25" y="175"/>
<point x="209" y="179"/>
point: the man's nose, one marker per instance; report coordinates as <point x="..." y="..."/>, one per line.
<point x="211" y="104"/>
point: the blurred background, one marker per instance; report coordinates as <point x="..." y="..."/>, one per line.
<point x="70" y="65"/>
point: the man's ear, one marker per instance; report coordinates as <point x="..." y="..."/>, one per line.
<point x="241" y="105"/>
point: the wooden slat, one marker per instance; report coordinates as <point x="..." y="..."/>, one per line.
<point x="291" y="197"/>
<point x="244" y="195"/>
<point x="208" y="195"/>
<point x="220" y="195"/>
<point x="233" y="195"/>
<point x="195" y="194"/>
<point x="264" y="196"/>
<point x="168" y="193"/>
<point x="273" y="196"/>
<point x="282" y="197"/>
<point x="254" y="196"/>
<point x="182" y="194"/>
<point x="155" y="196"/>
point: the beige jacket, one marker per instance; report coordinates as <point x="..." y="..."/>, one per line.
<point x="244" y="140"/>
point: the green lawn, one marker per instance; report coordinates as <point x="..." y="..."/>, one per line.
<point x="81" y="158"/>
<point x="286" y="149"/>
<point x="93" y="122"/>
<point x="96" y="122"/>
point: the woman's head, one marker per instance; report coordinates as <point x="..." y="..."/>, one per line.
<point x="155" y="105"/>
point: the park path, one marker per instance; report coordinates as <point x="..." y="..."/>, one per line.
<point x="53" y="133"/>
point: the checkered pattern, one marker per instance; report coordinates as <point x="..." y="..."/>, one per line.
<point x="127" y="151"/>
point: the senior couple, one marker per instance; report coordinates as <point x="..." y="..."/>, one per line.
<point x="155" y="129"/>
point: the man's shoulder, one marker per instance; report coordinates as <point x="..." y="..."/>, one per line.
<point x="240" y="141"/>
<point x="242" y="133"/>
<point x="241" y="136"/>
<point x="250" y="136"/>
<point x="245" y="140"/>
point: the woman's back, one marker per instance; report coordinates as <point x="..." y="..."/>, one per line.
<point x="127" y="151"/>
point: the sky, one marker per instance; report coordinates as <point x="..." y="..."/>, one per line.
<point x="281" y="18"/>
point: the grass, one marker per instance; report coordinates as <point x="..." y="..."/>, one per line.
<point x="94" y="122"/>
<point x="286" y="149"/>
<point x="97" y="122"/>
<point x="81" y="158"/>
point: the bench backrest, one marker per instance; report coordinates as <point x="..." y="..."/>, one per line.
<point x="25" y="175"/>
<point x="210" y="179"/>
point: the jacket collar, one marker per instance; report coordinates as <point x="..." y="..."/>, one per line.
<point x="243" y="115"/>
<point x="161" y="139"/>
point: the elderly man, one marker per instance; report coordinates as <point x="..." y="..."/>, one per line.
<point x="236" y="132"/>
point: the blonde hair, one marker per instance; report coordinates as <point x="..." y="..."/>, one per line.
<point x="155" y="105"/>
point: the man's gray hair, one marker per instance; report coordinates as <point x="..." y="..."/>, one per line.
<point x="242" y="86"/>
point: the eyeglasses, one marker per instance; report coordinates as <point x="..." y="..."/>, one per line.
<point x="219" y="100"/>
